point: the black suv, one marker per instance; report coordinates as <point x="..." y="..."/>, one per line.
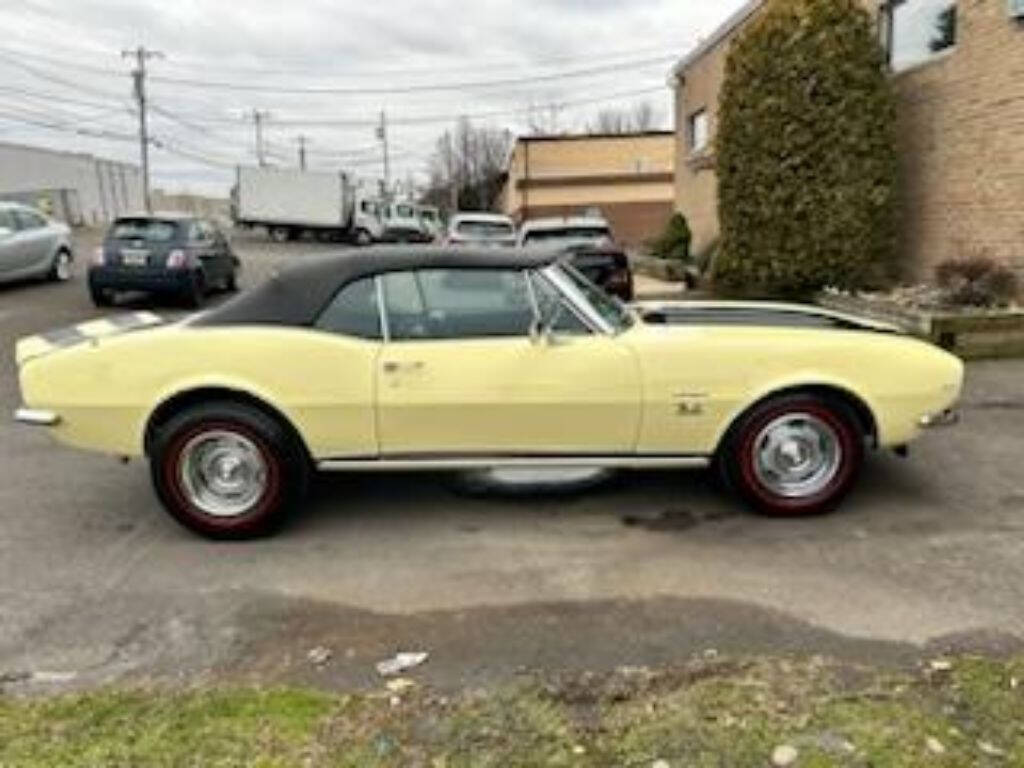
<point x="175" y="255"/>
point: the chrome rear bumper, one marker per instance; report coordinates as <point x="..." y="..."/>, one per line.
<point x="948" y="418"/>
<point x="34" y="418"/>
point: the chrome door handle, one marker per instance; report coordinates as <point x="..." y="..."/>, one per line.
<point x="393" y="367"/>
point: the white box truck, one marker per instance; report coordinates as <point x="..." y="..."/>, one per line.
<point x="290" y="203"/>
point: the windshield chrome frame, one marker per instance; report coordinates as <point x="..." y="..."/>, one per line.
<point x="576" y="300"/>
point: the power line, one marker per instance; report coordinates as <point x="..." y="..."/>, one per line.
<point x="65" y="128"/>
<point x="52" y="97"/>
<point x="42" y="75"/>
<point x="423" y="88"/>
<point x="344" y="122"/>
<point x="317" y="70"/>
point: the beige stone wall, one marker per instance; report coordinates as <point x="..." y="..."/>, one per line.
<point x="696" y="184"/>
<point x="607" y="161"/>
<point x="962" y="144"/>
<point x="962" y="133"/>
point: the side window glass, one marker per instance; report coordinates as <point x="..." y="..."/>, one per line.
<point x="7" y="221"/>
<point x="27" y="220"/>
<point x="353" y="312"/>
<point x="458" y="304"/>
<point x="406" y="310"/>
<point x="476" y="303"/>
<point x="548" y="300"/>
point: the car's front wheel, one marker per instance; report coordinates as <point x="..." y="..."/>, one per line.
<point x="60" y="270"/>
<point x="794" y="456"/>
<point x="227" y="471"/>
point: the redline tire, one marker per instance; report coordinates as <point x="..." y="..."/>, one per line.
<point x="741" y="464"/>
<point x="284" y="463"/>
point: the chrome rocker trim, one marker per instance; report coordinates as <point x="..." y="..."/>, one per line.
<point x="948" y="418"/>
<point x="433" y="464"/>
<point x="34" y="418"/>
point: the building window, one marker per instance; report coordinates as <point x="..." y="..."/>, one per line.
<point x="919" y="30"/>
<point x="698" y="131"/>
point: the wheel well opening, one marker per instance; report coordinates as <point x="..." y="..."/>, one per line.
<point x="865" y="417"/>
<point x="179" y="402"/>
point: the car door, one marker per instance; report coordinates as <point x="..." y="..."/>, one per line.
<point x="10" y="245"/>
<point x="460" y="374"/>
<point x="35" y="242"/>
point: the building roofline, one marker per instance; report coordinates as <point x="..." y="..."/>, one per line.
<point x="715" y="38"/>
<point x="586" y="136"/>
<point x="67" y="153"/>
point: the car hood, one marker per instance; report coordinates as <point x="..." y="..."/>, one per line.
<point x="43" y="344"/>
<point x="754" y="314"/>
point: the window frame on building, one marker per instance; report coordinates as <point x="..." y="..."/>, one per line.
<point x="697" y="118"/>
<point x="888" y="32"/>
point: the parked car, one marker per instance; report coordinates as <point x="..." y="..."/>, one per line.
<point x="450" y="359"/>
<point x="33" y="245"/>
<point x="170" y="254"/>
<point x="402" y="224"/>
<point x="482" y="229"/>
<point x="590" y="242"/>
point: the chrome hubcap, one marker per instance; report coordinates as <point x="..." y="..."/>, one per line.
<point x="63" y="267"/>
<point x="797" y="456"/>
<point x="223" y="473"/>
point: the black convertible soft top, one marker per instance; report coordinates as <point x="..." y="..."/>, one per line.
<point x="296" y="296"/>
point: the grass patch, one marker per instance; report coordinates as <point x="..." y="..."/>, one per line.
<point x="704" y="714"/>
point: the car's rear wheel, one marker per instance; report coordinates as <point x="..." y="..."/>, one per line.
<point x="227" y="470"/>
<point x="281" y="234"/>
<point x="101" y="297"/>
<point x="794" y="456"/>
<point x="60" y="270"/>
<point x="195" y="292"/>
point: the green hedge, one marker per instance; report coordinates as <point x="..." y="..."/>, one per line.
<point x="806" y="153"/>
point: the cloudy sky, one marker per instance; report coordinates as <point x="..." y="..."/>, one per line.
<point x="326" y="69"/>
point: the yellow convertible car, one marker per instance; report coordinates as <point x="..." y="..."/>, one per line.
<point x="437" y="359"/>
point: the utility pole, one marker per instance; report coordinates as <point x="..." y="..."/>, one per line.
<point x="382" y="136"/>
<point x="302" y="142"/>
<point x="258" y="116"/>
<point x="141" y="56"/>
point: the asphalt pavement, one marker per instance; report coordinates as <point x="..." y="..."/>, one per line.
<point x="98" y="585"/>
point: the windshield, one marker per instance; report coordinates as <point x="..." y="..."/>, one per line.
<point x="145" y="229"/>
<point x="613" y="311"/>
<point x="485" y="228"/>
<point x="573" y="234"/>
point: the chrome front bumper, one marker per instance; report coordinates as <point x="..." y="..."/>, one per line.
<point x="948" y="418"/>
<point x="34" y="418"/>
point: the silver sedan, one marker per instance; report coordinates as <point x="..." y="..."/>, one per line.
<point x="32" y="245"/>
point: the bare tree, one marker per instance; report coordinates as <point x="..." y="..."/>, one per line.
<point x="545" y="119"/>
<point x="639" y="118"/>
<point x="467" y="167"/>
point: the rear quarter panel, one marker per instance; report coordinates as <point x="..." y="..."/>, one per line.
<point x="105" y="391"/>
<point x="699" y="380"/>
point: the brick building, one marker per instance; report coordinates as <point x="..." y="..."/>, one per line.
<point x="628" y="177"/>
<point x="958" y="68"/>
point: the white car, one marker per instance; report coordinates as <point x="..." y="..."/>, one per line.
<point x="564" y="232"/>
<point x="33" y="245"/>
<point x="482" y="229"/>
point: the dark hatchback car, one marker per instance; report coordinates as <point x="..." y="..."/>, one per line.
<point x="178" y="256"/>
